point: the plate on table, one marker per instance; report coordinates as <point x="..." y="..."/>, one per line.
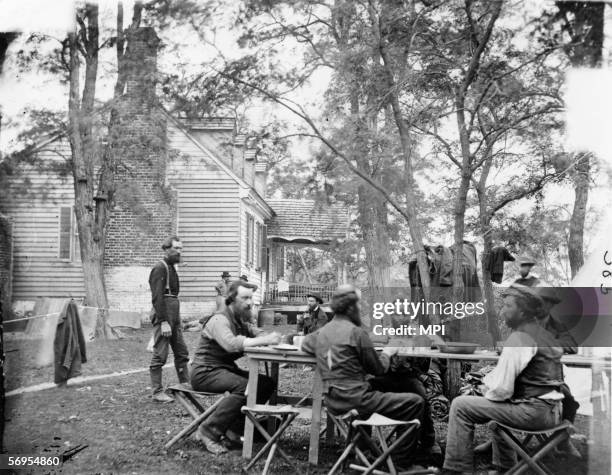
<point x="285" y="347"/>
<point x="457" y="347"/>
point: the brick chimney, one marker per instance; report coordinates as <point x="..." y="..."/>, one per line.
<point x="141" y="63"/>
<point x="145" y="208"/>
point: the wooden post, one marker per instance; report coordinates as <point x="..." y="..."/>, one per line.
<point x="453" y="375"/>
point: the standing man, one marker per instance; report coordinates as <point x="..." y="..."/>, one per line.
<point x="222" y="288"/>
<point x="315" y="317"/>
<point x="526" y="263"/>
<point x="166" y="319"/>
<point x="345" y="356"/>
<point x="521" y="391"/>
<point x="224" y="337"/>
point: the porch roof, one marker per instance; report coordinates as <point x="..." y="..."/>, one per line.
<point x="306" y="221"/>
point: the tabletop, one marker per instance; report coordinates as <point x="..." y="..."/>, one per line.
<point x="271" y="354"/>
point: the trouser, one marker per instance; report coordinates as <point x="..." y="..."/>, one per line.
<point x="161" y="345"/>
<point x="466" y="411"/>
<point x="401" y="383"/>
<point x="570" y="405"/>
<point x="399" y="406"/>
<point x="227" y="414"/>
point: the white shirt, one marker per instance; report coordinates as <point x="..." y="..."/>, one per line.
<point x="518" y="351"/>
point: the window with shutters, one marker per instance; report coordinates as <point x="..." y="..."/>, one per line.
<point x="257" y="246"/>
<point x="263" y="248"/>
<point x="68" y="249"/>
<point x="250" y="240"/>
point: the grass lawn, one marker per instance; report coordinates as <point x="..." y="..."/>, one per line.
<point x="125" y="430"/>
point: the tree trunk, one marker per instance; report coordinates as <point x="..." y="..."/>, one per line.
<point x="587" y="35"/>
<point x="80" y="131"/>
<point x="373" y="223"/>
<point x="576" y="231"/>
<point x="487" y="283"/>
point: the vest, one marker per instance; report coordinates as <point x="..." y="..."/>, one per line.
<point x="544" y="373"/>
<point x="210" y="353"/>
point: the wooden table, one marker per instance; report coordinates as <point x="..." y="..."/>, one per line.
<point x="264" y="354"/>
<point x="257" y="355"/>
<point x="454" y="361"/>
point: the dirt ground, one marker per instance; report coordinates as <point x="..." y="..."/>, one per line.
<point x="125" y="430"/>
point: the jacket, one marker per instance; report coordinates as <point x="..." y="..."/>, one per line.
<point x="69" y="344"/>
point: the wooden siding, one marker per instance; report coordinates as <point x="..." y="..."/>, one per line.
<point x="209" y="229"/>
<point x="255" y="276"/>
<point x="208" y="217"/>
<point x="37" y="269"/>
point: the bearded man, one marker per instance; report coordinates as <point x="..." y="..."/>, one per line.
<point x="224" y="337"/>
<point x="166" y="319"/>
<point x="315" y="317"/>
<point x="346" y="356"/>
<point x="523" y="390"/>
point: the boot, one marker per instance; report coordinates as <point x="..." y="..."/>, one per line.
<point x="183" y="375"/>
<point x="156" y="380"/>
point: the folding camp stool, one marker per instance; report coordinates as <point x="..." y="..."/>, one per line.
<point x="378" y="444"/>
<point x="286" y="414"/>
<point x="187" y="399"/>
<point x="547" y="439"/>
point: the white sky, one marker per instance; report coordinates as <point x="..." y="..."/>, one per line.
<point x="589" y="96"/>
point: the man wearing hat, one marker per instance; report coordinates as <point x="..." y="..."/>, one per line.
<point x="521" y="391"/>
<point x="345" y="356"/>
<point x="222" y="288"/>
<point x="244" y="278"/>
<point x="315" y="317"/>
<point x="565" y="340"/>
<point x="526" y="263"/>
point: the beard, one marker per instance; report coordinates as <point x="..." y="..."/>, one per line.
<point x="174" y="258"/>
<point x="243" y="313"/>
<point x="354" y="315"/>
<point x="513" y="321"/>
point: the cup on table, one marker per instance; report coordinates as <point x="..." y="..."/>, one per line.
<point x="499" y="346"/>
<point x="297" y="341"/>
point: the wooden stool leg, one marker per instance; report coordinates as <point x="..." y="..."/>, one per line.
<point x="515" y="444"/>
<point x="269" y="459"/>
<point x="542" y="451"/>
<point x="271" y="440"/>
<point x="387" y="451"/>
<point x="198" y="418"/>
<point x="347" y="451"/>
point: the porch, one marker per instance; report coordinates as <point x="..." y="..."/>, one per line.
<point x="300" y="237"/>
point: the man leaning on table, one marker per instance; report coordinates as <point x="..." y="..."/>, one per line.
<point x="345" y="356"/>
<point x="521" y="391"/>
<point x="224" y="337"/>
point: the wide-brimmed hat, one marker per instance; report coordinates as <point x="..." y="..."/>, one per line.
<point x="244" y="277"/>
<point x="315" y="296"/>
<point x="518" y="290"/>
<point x="548" y="293"/>
<point x="526" y="260"/>
<point x="225" y="274"/>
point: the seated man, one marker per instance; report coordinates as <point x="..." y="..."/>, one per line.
<point x="223" y="339"/>
<point x="570" y="347"/>
<point x="314" y="318"/>
<point x="345" y="356"/>
<point x="522" y="391"/>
